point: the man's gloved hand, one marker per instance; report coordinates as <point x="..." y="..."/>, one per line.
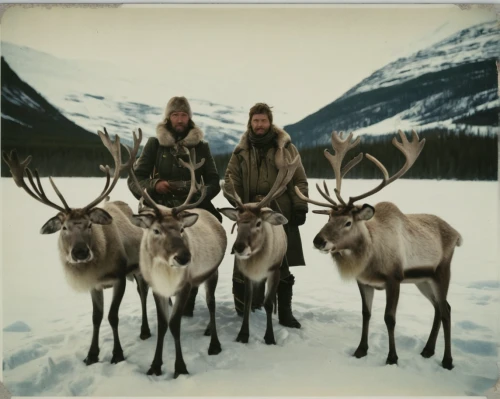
<point x="179" y="187"/>
<point x="298" y="217"/>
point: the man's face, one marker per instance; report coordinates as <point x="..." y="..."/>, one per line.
<point x="179" y="121"/>
<point x="260" y="124"/>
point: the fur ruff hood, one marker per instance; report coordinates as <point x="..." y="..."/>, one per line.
<point x="282" y="140"/>
<point x="166" y="138"/>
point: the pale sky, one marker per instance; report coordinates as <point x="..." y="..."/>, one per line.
<point x="296" y="58"/>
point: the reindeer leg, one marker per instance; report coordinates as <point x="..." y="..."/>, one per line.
<point x="426" y="289"/>
<point x="210" y="285"/>
<point x="367" y="299"/>
<point x="175" y="329"/>
<point x="118" y="291"/>
<point x="272" y="286"/>
<point x="392" y="295"/>
<point x="442" y="283"/>
<point x="97" y="315"/>
<point x="142" y="289"/>
<point x="162" y="316"/>
<point x="244" y="333"/>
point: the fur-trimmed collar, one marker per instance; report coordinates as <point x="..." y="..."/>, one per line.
<point x="166" y="138"/>
<point x="282" y="139"/>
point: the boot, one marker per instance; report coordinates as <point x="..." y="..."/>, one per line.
<point x="189" y="308"/>
<point x="239" y="296"/>
<point x="285" y="293"/>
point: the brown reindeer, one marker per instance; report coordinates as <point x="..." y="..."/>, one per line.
<point x="261" y="243"/>
<point x="381" y="247"/>
<point x="98" y="244"/>
<point x="181" y="249"/>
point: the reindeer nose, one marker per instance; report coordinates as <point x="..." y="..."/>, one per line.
<point x="183" y="258"/>
<point x="80" y="252"/>
<point x="319" y="242"/>
<point x="239" y="247"/>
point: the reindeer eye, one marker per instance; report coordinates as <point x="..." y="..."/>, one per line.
<point x="348" y="224"/>
<point x="90" y="225"/>
<point x="156" y="231"/>
<point x="182" y="230"/>
<point x="65" y="228"/>
<point x="259" y="223"/>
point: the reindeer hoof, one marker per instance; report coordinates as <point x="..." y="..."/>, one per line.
<point x="117" y="358"/>
<point x="392" y="359"/>
<point x="360" y="352"/>
<point x="208" y="332"/>
<point x="243" y="338"/>
<point x="447" y="363"/>
<point x="214" y="349"/>
<point x="269" y="340"/>
<point x="91" y="359"/>
<point x="154" y="370"/>
<point x="180" y="371"/>
<point x="145" y="334"/>
<point x="427" y="353"/>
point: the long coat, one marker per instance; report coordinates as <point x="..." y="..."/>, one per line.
<point x="248" y="178"/>
<point x="159" y="161"/>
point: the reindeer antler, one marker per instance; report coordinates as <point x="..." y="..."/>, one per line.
<point x="411" y="151"/>
<point x="194" y="185"/>
<point x="286" y="171"/>
<point x="233" y="196"/>
<point x="17" y="170"/>
<point x="115" y="149"/>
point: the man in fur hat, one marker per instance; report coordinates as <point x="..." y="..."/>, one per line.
<point x="253" y="173"/>
<point x="159" y="171"/>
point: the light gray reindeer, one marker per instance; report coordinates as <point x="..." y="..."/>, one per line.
<point x="98" y="245"/>
<point x="381" y="247"/>
<point x="261" y="243"/>
<point x="181" y="249"/>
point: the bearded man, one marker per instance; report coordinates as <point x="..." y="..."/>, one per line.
<point x="159" y="171"/>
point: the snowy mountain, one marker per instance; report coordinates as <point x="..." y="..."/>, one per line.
<point x="28" y="117"/>
<point x="97" y="94"/>
<point x="452" y="84"/>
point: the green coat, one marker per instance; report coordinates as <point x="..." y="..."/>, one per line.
<point x="249" y="180"/>
<point x="160" y="154"/>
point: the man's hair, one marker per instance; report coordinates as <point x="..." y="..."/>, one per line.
<point x="260" y="108"/>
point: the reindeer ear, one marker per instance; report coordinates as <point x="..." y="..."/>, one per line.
<point x="275" y="218"/>
<point x="53" y="225"/>
<point x="100" y="216"/>
<point x="188" y="219"/>
<point x="366" y="212"/>
<point x="143" y="220"/>
<point x="230" y="213"/>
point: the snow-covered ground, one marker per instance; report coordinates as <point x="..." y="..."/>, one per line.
<point x="47" y="327"/>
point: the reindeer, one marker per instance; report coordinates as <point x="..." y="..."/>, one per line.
<point x="181" y="249"/>
<point x="98" y="245"/>
<point x="381" y="247"/>
<point x="261" y="243"/>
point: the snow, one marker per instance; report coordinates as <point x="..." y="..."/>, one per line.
<point x="18" y="326"/>
<point x="48" y="359"/>
<point x="469" y="45"/>
<point x="10" y="118"/>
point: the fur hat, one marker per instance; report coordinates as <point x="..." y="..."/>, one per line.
<point x="178" y="104"/>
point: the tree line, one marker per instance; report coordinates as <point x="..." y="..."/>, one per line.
<point x="447" y="154"/>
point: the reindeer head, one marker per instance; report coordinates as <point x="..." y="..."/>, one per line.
<point x="77" y="236"/>
<point x="166" y="237"/>
<point x="252" y="218"/>
<point x="346" y="220"/>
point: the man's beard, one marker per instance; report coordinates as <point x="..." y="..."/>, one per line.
<point x="180" y="131"/>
